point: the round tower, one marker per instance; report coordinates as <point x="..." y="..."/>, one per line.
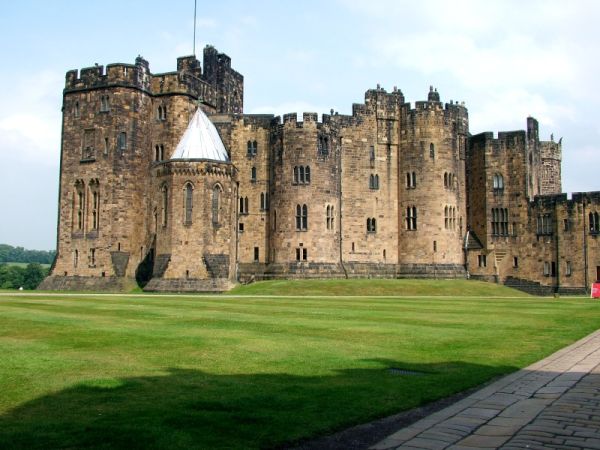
<point x="304" y="197"/>
<point x="432" y="186"/>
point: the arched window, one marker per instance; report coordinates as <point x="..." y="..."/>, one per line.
<point x="264" y="201"/>
<point x="162" y="152"/>
<point x="296" y="178"/>
<point x="76" y="109"/>
<point x="432" y="151"/>
<point x="301" y="174"/>
<point x="216" y="199"/>
<point x="446" y="218"/>
<point x="445" y="180"/>
<point x="165" y="205"/>
<point x="95" y="204"/>
<point x="307" y="174"/>
<point x="498" y="183"/>
<point x="188" y="201"/>
<point x="156" y="153"/>
<point x="253" y="174"/>
<point x="79" y="205"/>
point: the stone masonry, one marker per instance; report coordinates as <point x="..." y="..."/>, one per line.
<point x="391" y="190"/>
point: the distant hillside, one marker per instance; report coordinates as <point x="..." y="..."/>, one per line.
<point x="8" y="253"/>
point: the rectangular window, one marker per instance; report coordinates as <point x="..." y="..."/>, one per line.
<point x="566" y="224"/>
<point x="298" y="254"/>
<point x="241" y="227"/>
<point x="546" y="269"/>
<point x="89" y="139"/>
<point x="482" y="259"/>
<point x="122" y="141"/>
<point x="304" y="254"/>
<point x="553" y="268"/>
<point x="515" y="262"/>
<point x="256" y="254"/>
<point x="569" y="269"/>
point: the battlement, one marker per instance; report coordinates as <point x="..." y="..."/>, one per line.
<point x="551" y="149"/>
<point x="219" y="86"/>
<point x="504" y="139"/>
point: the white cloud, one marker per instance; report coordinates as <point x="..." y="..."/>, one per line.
<point x="30" y="120"/>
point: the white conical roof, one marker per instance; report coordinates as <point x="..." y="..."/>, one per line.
<point x="200" y="141"/>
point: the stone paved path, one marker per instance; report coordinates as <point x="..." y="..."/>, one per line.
<point x="552" y="404"/>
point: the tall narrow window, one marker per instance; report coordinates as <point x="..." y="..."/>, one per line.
<point x="329" y="217"/>
<point x="411" y="218"/>
<point x="165" y="205"/>
<point x="432" y="151"/>
<point x="594" y="223"/>
<point x="304" y="217"/>
<point x="264" y="201"/>
<point x="372" y="153"/>
<point x="498" y="183"/>
<point x="122" y="140"/>
<point x="296" y="177"/>
<point x="446" y="218"/>
<point x="243" y="205"/>
<point x="301" y="174"/>
<point x="256" y="254"/>
<point x="105" y="146"/>
<point x="92" y="257"/>
<point x="446" y="180"/>
<point x="95" y="203"/>
<point x="104" y="105"/>
<point x="76" y="109"/>
<point x="301" y="217"/>
<point x="156" y="153"/>
<point x="253" y="174"/>
<point x="188" y="202"/>
<point x="252" y="148"/>
<point x="216" y="194"/>
<point x="80" y="210"/>
<point x="568" y="269"/>
<point x="75" y="258"/>
<point x="307" y="174"/>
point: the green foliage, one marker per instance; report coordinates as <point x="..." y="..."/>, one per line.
<point x="15" y="276"/>
<point x="9" y="253"/>
<point x="83" y="371"/>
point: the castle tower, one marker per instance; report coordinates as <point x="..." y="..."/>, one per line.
<point x="118" y="123"/>
<point x="551" y="156"/>
<point x="193" y="207"/>
<point x="432" y="206"/>
<point x="304" y="236"/>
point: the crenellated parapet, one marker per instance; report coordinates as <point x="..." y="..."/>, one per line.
<point x="219" y="86"/>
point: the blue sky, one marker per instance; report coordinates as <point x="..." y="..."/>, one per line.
<point x="505" y="59"/>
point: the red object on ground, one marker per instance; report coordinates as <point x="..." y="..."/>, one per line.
<point x="596" y="290"/>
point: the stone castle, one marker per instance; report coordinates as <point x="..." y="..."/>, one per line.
<point x="165" y="181"/>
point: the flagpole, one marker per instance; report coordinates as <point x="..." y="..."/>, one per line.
<point x="194" y="46"/>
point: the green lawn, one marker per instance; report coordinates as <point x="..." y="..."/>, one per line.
<point x="253" y="372"/>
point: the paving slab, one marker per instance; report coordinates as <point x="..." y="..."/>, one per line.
<point x="552" y="404"/>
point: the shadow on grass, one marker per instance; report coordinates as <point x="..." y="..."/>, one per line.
<point x="194" y="409"/>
